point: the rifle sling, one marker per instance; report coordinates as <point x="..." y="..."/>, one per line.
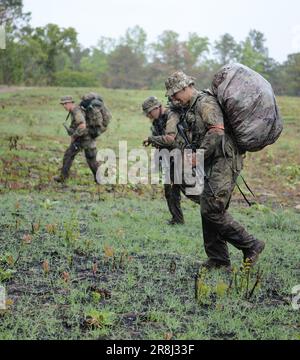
<point x="67" y="118"/>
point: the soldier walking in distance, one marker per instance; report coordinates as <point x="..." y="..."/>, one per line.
<point x="80" y="140"/>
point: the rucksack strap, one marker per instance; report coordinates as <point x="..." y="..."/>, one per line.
<point x="244" y="196"/>
<point x="217" y="127"/>
<point x="247" y="186"/>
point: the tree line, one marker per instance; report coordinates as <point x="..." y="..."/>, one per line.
<point x="52" y="56"/>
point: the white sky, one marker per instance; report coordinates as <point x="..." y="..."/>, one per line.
<point x="279" y="20"/>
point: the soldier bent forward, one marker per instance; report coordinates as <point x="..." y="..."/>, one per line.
<point x="80" y="140"/>
<point x="164" y="127"/>
<point x="223" y="163"/>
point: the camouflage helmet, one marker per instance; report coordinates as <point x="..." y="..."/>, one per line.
<point x="150" y="104"/>
<point x="66" y="99"/>
<point x="177" y="82"/>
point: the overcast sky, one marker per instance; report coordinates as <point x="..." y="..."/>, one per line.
<point x="278" y="20"/>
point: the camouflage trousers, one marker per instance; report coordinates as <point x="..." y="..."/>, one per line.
<point x="219" y="227"/>
<point x="75" y="148"/>
<point x="173" y="197"/>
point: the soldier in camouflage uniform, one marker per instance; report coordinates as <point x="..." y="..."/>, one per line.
<point x="223" y="163"/>
<point x="80" y="140"/>
<point x="164" y="129"/>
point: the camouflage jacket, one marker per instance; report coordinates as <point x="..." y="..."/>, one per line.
<point x="165" y="125"/>
<point x="78" y="118"/>
<point x="205" y="127"/>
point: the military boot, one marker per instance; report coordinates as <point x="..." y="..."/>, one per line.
<point x="59" y="179"/>
<point x="212" y="265"/>
<point x="173" y="222"/>
<point x="252" y="254"/>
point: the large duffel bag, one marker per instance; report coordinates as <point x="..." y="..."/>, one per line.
<point x="249" y="106"/>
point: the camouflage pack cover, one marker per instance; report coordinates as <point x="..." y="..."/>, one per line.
<point x="91" y="96"/>
<point x="249" y="106"/>
<point x="97" y="115"/>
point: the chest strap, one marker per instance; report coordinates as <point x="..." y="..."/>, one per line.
<point x="217" y="127"/>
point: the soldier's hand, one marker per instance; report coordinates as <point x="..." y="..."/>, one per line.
<point x="169" y="139"/>
<point x="146" y="142"/>
<point x="191" y="159"/>
<point x="69" y="130"/>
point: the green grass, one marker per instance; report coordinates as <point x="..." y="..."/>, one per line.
<point x="135" y="288"/>
<point x="88" y="262"/>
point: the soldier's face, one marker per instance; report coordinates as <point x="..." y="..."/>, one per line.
<point x="68" y="106"/>
<point x="183" y="96"/>
<point x="154" y="114"/>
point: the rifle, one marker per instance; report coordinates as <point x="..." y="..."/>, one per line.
<point x="189" y="146"/>
<point x="76" y="145"/>
<point x="69" y="130"/>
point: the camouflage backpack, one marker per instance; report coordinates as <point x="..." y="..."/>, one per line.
<point x="97" y="115"/>
<point x="249" y="106"/>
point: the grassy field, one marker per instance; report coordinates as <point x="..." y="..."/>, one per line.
<point x="99" y="262"/>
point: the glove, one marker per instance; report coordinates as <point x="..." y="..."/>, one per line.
<point x="69" y="130"/>
<point x="146" y="142"/>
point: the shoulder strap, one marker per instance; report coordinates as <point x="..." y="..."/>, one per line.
<point x="192" y="108"/>
<point x="244" y="181"/>
<point x="67" y="118"/>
